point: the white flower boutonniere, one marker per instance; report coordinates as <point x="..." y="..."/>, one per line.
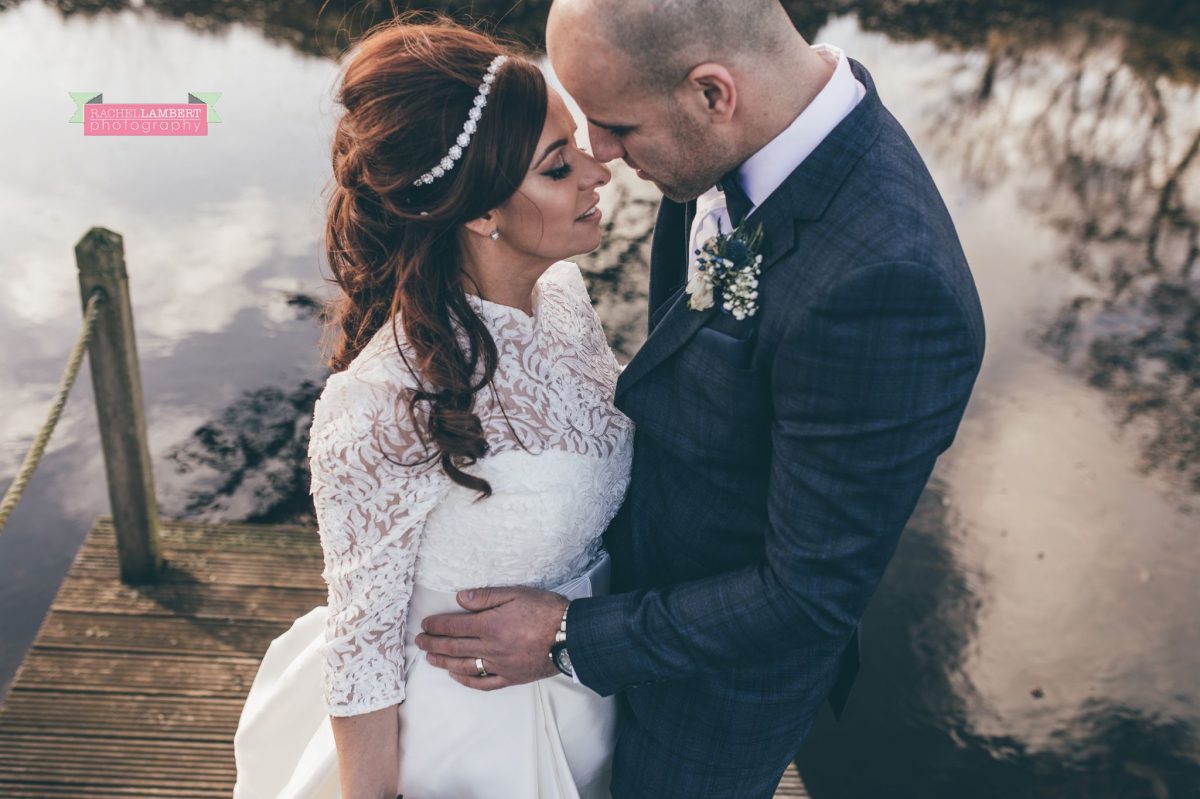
<point x="729" y="265"/>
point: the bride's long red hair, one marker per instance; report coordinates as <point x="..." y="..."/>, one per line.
<point x="407" y="90"/>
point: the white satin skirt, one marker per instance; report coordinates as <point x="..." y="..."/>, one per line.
<point x="551" y="739"/>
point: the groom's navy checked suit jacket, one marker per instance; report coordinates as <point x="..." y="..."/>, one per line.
<point x="777" y="460"/>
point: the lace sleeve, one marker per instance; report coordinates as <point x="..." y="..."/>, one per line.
<point x="370" y="516"/>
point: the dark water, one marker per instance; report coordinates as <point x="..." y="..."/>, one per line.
<point x="1037" y="634"/>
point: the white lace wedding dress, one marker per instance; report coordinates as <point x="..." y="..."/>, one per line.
<point x="400" y="539"/>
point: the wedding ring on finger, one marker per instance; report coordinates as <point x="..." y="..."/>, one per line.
<point x="479" y="667"/>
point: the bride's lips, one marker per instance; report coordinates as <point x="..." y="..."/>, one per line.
<point x="592" y="214"/>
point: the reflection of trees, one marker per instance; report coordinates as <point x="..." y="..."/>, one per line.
<point x="1109" y="751"/>
<point x="1134" y="226"/>
<point x="909" y="719"/>
<point x="1160" y="33"/>
<point x="617" y="271"/>
<point x="322" y="27"/>
<point x="251" y="463"/>
<point x="1112" y="161"/>
<point x="1132" y="216"/>
<point x="1163" y="44"/>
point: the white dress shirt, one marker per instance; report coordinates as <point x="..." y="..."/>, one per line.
<point x="768" y="168"/>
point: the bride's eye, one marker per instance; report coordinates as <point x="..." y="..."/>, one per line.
<point x="559" y="172"/>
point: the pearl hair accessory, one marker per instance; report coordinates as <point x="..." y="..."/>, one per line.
<point x="469" y="127"/>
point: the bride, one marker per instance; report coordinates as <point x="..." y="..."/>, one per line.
<point x="466" y="437"/>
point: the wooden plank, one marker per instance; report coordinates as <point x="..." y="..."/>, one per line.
<point x="100" y="556"/>
<point x="135" y="691"/>
<point x="791" y="786"/>
<point x="246" y="573"/>
<point x="183" y="535"/>
<point x="183" y="598"/>
<point x="144" y="675"/>
<point x="227" y="569"/>
<point x="206" y="538"/>
<point x="123" y="632"/>
<point x="20" y="789"/>
<point x="103" y="631"/>
<point x="44" y="712"/>
<point x="139" y="762"/>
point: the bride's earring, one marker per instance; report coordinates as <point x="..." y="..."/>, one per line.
<point x="495" y="235"/>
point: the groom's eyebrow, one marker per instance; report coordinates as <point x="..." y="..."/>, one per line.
<point x="611" y="126"/>
<point x="549" y="149"/>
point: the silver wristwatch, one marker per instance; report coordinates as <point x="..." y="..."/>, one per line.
<point x="558" y="651"/>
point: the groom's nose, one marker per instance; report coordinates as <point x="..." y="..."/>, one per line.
<point x="605" y="146"/>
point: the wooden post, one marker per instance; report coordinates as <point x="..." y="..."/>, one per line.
<point x="117" y="384"/>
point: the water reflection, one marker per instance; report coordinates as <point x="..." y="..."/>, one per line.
<point x="1106" y="155"/>
<point x="325" y="27"/>
<point x="617" y="270"/>
<point x="251" y="462"/>
<point x="220" y="238"/>
<point x="913" y="728"/>
<point x="316" y="27"/>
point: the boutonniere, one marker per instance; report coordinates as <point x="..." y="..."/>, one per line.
<point x="729" y="264"/>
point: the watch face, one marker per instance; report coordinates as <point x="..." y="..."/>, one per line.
<point x="563" y="659"/>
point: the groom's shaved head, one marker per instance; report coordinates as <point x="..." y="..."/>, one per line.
<point x="682" y="90"/>
<point x="661" y="40"/>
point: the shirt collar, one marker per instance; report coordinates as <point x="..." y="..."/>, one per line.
<point x="768" y="168"/>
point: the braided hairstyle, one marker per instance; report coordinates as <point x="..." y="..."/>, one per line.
<point x="394" y="247"/>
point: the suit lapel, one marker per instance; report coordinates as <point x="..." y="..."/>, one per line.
<point x="668" y="255"/>
<point x="801" y="198"/>
<point x="676" y="327"/>
<point x="678" y="323"/>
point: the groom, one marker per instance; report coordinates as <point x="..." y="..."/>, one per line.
<point x="778" y="455"/>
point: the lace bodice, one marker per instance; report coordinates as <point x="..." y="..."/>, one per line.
<point x="386" y="526"/>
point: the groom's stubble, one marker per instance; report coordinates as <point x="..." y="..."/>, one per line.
<point x="697" y="164"/>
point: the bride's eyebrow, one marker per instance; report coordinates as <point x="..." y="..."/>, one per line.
<point x="554" y="145"/>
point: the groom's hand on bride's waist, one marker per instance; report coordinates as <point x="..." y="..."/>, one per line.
<point x="510" y="629"/>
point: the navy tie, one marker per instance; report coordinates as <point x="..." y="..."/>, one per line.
<point x="736" y="201"/>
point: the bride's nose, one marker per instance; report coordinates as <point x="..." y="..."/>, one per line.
<point x="597" y="175"/>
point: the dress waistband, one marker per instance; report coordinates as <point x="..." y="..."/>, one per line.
<point x="594" y="581"/>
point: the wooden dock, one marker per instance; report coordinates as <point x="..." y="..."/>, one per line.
<point x="135" y="691"/>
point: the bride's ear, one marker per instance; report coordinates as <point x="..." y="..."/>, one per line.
<point x="483" y="225"/>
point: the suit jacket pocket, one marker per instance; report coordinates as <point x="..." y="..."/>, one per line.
<point x="720" y="390"/>
<point x="734" y="348"/>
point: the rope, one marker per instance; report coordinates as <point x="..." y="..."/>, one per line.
<point x="13" y="495"/>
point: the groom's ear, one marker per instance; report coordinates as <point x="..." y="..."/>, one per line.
<point x="712" y="91"/>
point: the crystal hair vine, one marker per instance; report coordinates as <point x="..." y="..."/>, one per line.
<point x="469" y="127"/>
